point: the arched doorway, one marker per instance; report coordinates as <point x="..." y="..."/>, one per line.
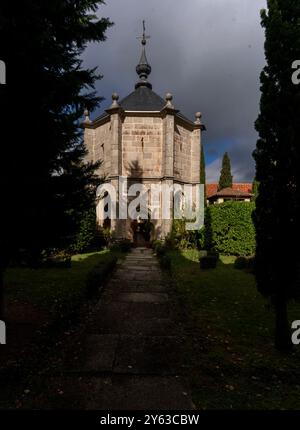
<point x="142" y="231"/>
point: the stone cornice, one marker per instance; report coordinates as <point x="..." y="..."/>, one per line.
<point x="157" y="114"/>
<point x="152" y="178"/>
<point x="97" y="122"/>
<point x="169" y="111"/>
<point x="113" y="110"/>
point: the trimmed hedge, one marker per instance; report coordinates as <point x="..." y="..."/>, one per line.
<point x="160" y="248"/>
<point x="123" y="245"/>
<point x="98" y="276"/>
<point x="229" y="228"/>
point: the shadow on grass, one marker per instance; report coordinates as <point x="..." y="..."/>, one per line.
<point x="230" y="357"/>
<point x="40" y="303"/>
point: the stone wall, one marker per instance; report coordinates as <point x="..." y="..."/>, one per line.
<point x="150" y="148"/>
<point x="98" y="144"/>
<point x="142" y="146"/>
<point x="89" y="140"/>
<point x="182" y="154"/>
<point x="103" y="148"/>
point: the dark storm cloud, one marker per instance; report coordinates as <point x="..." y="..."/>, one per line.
<point x="208" y="53"/>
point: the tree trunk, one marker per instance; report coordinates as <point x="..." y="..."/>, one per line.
<point x="283" y="340"/>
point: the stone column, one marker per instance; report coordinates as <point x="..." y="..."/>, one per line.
<point x="169" y="113"/>
<point x="196" y="151"/>
<point x="89" y="137"/>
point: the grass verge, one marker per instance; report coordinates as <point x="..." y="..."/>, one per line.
<point x="42" y="302"/>
<point x="54" y="291"/>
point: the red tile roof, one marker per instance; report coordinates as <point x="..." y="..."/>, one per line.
<point x="211" y="189"/>
<point x="244" y="187"/>
<point x="231" y="192"/>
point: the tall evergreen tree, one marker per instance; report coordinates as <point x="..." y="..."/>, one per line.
<point x="277" y="165"/>
<point x="255" y="185"/>
<point x="225" y="180"/>
<point x="44" y="183"/>
<point x="203" y="172"/>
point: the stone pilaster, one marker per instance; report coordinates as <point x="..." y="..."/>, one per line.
<point x="168" y="158"/>
<point x="89" y="137"/>
<point x="89" y="141"/>
<point x="168" y="146"/>
<point x="197" y="147"/>
<point x="116" y="142"/>
<point x="115" y="112"/>
<point x="195" y="155"/>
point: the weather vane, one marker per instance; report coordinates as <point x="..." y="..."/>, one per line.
<point x="144" y="37"/>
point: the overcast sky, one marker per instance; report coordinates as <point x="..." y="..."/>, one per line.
<point x="207" y="53"/>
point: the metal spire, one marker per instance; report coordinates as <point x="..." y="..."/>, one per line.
<point x="143" y="69"/>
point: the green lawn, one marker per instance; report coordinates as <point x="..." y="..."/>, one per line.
<point x="40" y="305"/>
<point x="54" y="290"/>
<point x="231" y="359"/>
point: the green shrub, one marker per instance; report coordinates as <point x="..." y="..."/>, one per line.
<point x="125" y="245"/>
<point x="55" y="259"/>
<point x="159" y="247"/>
<point x="161" y="251"/>
<point x="213" y="253"/>
<point x="201" y="243"/>
<point x="180" y="237"/>
<point x="154" y="244"/>
<point x="165" y="262"/>
<point x="105" y="236"/>
<point x="229" y="228"/>
<point x="114" y="247"/>
<point x="98" y="275"/>
<point x="121" y="246"/>
<point x="209" y="262"/>
<point x="241" y="263"/>
<point x="90" y="237"/>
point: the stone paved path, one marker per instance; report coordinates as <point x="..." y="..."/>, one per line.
<point x="131" y="354"/>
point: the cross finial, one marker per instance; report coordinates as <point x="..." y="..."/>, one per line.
<point x="143" y="69"/>
<point x="144" y="37"/>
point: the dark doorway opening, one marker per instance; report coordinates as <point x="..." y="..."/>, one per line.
<point x="142" y="230"/>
